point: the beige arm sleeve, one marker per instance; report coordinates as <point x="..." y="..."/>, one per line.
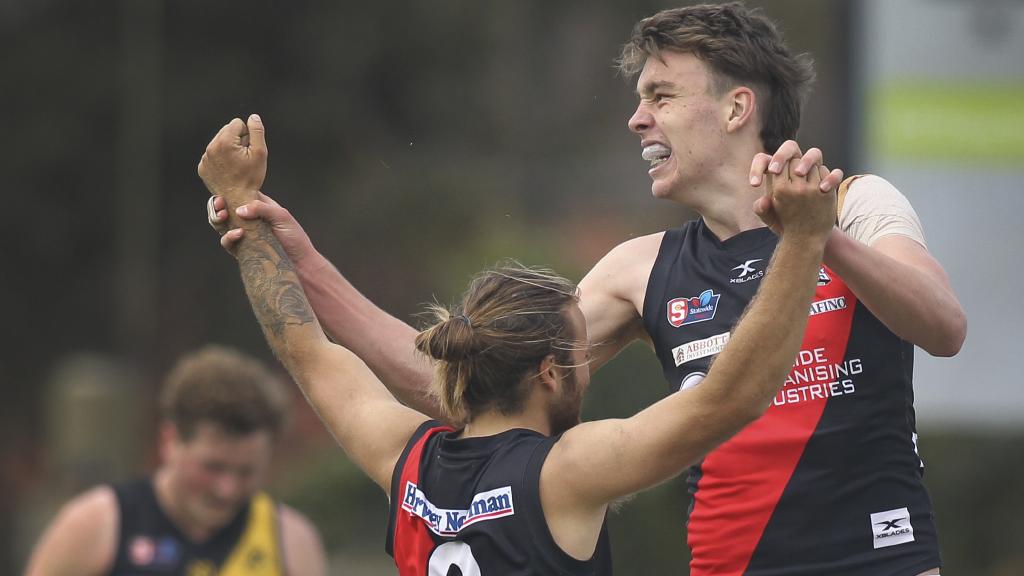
<point x="870" y="208"/>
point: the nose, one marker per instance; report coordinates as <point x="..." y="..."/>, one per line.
<point x="228" y="487"/>
<point x="641" y="119"/>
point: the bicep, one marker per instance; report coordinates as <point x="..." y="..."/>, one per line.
<point x="365" y="419"/>
<point x="612" y="323"/>
<point x="611" y="296"/>
<point x="909" y="252"/>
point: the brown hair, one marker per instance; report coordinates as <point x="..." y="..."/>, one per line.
<point x="223" y="386"/>
<point x="511" y="317"/>
<point x="739" y="46"/>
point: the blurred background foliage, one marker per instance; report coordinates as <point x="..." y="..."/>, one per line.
<point x="417" y="142"/>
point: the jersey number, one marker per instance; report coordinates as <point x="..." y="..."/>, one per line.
<point x="453" y="559"/>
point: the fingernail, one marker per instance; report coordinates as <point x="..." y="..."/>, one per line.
<point x="256" y="117"/>
<point x="242" y="211"/>
<point x="753" y="180"/>
<point x="774" y="167"/>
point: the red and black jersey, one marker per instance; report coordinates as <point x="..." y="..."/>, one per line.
<point x="828" y="481"/>
<point x="471" y="507"/>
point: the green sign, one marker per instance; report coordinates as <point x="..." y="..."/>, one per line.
<point x="960" y="123"/>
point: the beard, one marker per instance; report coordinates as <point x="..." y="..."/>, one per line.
<point x="564" y="412"/>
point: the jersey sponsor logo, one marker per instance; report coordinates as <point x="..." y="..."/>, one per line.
<point x="488" y="505"/>
<point x="145" y="551"/>
<point x="892" y="527"/>
<point x="682" y="311"/>
<point x="747" y="272"/>
<point x="699" y="348"/>
<point x="828" y="305"/>
<point x="815" y="377"/>
<point x="167" y="551"/>
<point x="823" y="278"/>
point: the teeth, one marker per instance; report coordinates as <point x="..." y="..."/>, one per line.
<point x="656" y="153"/>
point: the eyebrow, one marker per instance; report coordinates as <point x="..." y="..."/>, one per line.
<point x="654" y="86"/>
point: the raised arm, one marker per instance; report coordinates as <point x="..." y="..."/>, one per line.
<point x="611" y="458"/>
<point x="893" y="274"/>
<point x="362" y="415"/>
<point x="896" y="277"/>
<point x="351" y="319"/>
<point x="611" y="297"/>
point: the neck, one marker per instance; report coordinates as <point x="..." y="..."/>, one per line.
<point x="726" y="200"/>
<point x="169" y="499"/>
<point x="493" y="422"/>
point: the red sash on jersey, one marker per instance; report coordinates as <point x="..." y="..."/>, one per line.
<point x="743" y="479"/>
<point x="413" y="543"/>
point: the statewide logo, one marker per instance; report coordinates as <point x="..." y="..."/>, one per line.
<point x="823" y="278"/>
<point x="892" y="527"/>
<point x="699" y="348"/>
<point x="691" y="310"/>
<point x="488" y="505"/>
<point x="747" y="272"/>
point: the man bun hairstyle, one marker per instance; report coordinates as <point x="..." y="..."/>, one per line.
<point x="511" y="317"/>
<point x="225" y="387"/>
<point x="741" y="47"/>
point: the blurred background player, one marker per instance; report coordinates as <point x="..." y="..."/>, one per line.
<point x="202" y="512"/>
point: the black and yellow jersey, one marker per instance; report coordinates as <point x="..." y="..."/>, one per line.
<point x="150" y="544"/>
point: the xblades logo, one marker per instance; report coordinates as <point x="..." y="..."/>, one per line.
<point x="747" y="272"/>
<point x="745" y="268"/>
<point x="891" y="528"/>
<point x="891" y="524"/>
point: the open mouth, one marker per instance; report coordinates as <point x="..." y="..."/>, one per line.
<point x="656" y="154"/>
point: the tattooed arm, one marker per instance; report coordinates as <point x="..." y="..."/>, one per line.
<point x="362" y="415"/>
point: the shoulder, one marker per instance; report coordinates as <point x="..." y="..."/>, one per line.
<point x="92" y="508"/>
<point x="872" y="208"/>
<point x="641" y="246"/>
<point x="83" y="536"/>
<point x="303" y="549"/>
<point x="629" y="256"/>
<point x="869" y="194"/>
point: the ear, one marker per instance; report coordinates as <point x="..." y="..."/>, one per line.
<point x="548" y="376"/>
<point x="742" y="102"/>
<point x="169" y="440"/>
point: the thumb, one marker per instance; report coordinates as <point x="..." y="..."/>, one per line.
<point x="257" y="135"/>
<point x="761" y="205"/>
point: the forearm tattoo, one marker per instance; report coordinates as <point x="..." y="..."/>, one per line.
<point x="272" y="284"/>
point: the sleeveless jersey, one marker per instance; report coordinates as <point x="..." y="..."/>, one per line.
<point x="471" y="507"/>
<point x="828" y="481"/>
<point x="150" y="544"/>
